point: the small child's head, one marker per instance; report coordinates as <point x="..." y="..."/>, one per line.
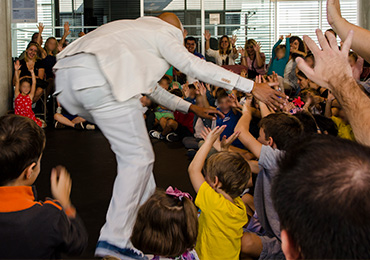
<point x="352" y="58"/>
<point x="166" y="225"/>
<point x="279" y="130"/>
<point x="192" y="91"/>
<point x="22" y="142"/>
<point x="165" y="82"/>
<point x="25" y="86"/>
<point x="280" y="51"/>
<point x="227" y="171"/>
<point x="310" y="60"/>
<point x="223" y="102"/>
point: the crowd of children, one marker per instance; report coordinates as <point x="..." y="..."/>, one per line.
<point x="237" y="159"/>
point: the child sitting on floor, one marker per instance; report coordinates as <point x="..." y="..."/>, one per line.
<point x="167" y="226"/>
<point x="223" y="213"/>
<point x="32" y="229"/>
<point x="24" y="93"/>
<point x="277" y="133"/>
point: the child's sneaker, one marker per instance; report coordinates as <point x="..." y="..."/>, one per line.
<point x="156" y="134"/>
<point x="59" y="125"/>
<point x="172" y="137"/>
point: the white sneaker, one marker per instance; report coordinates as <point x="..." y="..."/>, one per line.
<point x="156" y="134"/>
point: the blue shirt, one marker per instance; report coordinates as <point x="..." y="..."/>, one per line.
<point x="230" y="121"/>
<point x="199" y="55"/>
<point x="278" y="65"/>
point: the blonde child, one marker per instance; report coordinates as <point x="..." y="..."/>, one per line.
<point x="167" y="226"/>
<point x="24" y="93"/>
<point x="223" y="213"/>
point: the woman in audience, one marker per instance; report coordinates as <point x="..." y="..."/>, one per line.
<point x="30" y="61"/>
<point x="253" y="58"/>
<point x="167" y="226"/>
<point x="297" y="49"/>
<point x="227" y="52"/>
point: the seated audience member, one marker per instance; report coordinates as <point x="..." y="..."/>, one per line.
<point x="223" y="213"/>
<point x="191" y="45"/>
<point x="297" y="49"/>
<point x="30" y="60"/>
<point x="63" y="119"/>
<point x="314" y="103"/>
<point x="165" y="82"/>
<point x="322" y="197"/>
<point x="190" y="92"/>
<point x="231" y="118"/>
<point x="277" y="133"/>
<point x="357" y="64"/>
<point x="326" y="125"/>
<point x="340" y="119"/>
<point x="148" y="111"/>
<point x="226" y="53"/>
<point x="306" y="83"/>
<point x="166" y="121"/>
<point x="37" y="40"/>
<point x="32" y="229"/>
<point x="308" y="121"/>
<point x="167" y="226"/>
<point x="253" y="59"/>
<point x="280" y="57"/>
<point x="23" y="94"/>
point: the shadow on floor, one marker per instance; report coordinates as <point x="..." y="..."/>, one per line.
<point x="92" y="165"/>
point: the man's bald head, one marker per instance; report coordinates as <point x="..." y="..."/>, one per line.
<point x="172" y="19"/>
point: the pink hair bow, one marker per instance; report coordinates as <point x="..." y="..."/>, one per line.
<point x="298" y="102"/>
<point x="178" y="193"/>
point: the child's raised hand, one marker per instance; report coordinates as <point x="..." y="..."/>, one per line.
<point x="243" y="73"/>
<point x="17" y="65"/>
<point x="202" y="89"/>
<point x="61" y="185"/>
<point x="288" y="36"/>
<point x="226" y="142"/>
<point x="214" y="134"/>
<point x="40" y="27"/>
<point x="281" y="37"/>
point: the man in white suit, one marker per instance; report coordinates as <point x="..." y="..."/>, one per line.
<point x="100" y="77"/>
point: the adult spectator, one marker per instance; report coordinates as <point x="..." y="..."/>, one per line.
<point x="226" y="53"/>
<point x="253" y="58"/>
<point x="322" y="196"/>
<point x="191" y="45"/>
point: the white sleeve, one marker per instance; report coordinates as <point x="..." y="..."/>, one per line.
<point x="212" y="53"/>
<point x="178" y="56"/>
<point x="168" y="100"/>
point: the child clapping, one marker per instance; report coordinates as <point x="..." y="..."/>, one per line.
<point x="223" y="213"/>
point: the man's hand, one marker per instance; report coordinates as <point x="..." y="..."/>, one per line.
<point x="333" y="11"/>
<point x="207" y="113"/>
<point x="331" y="64"/>
<point x="61" y="185"/>
<point x="269" y="96"/>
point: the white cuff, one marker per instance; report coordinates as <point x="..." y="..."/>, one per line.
<point x="244" y="85"/>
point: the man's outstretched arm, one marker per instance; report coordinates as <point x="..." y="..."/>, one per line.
<point x="333" y="71"/>
<point x="341" y="26"/>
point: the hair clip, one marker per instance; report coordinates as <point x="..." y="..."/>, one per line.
<point x="298" y="102"/>
<point x="178" y="193"/>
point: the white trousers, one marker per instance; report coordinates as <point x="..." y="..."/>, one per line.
<point x="122" y="123"/>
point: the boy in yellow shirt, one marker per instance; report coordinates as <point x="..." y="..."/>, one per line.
<point x="223" y="213"/>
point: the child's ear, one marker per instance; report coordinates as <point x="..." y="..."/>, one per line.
<point x="216" y="182"/>
<point x="29" y="171"/>
<point x="270" y="142"/>
<point x="289" y="247"/>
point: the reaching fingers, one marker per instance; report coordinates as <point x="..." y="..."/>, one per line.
<point x="311" y="45"/>
<point x="347" y="43"/>
<point x="332" y="41"/>
<point x="322" y="40"/>
<point x="232" y="137"/>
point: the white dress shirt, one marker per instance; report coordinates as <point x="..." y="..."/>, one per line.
<point x="134" y="54"/>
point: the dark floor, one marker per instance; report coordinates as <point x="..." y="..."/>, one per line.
<point x="92" y="165"/>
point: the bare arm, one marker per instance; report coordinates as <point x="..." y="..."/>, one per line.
<point x="333" y="71"/>
<point x="259" y="58"/>
<point x="207" y="36"/>
<point x="33" y="86"/>
<point x="196" y="166"/>
<point x="341" y="26"/>
<point x="245" y="136"/>
<point x="16" y="78"/>
<point x="65" y="34"/>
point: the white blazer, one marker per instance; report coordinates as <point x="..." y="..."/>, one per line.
<point x="134" y="54"/>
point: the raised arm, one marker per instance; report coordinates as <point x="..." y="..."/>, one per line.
<point x="65" y="34"/>
<point x="196" y="166"/>
<point x="33" y="86"/>
<point x="341" y="26"/>
<point x="260" y="59"/>
<point x="287" y="47"/>
<point x="17" y="66"/>
<point x="333" y="71"/>
<point x="245" y="136"/>
<point x="275" y="46"/>
<point x="207" y="36"/>
<point x="43" y="53"/>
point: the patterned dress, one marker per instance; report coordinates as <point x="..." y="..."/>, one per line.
<point x="23" y="107"/>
